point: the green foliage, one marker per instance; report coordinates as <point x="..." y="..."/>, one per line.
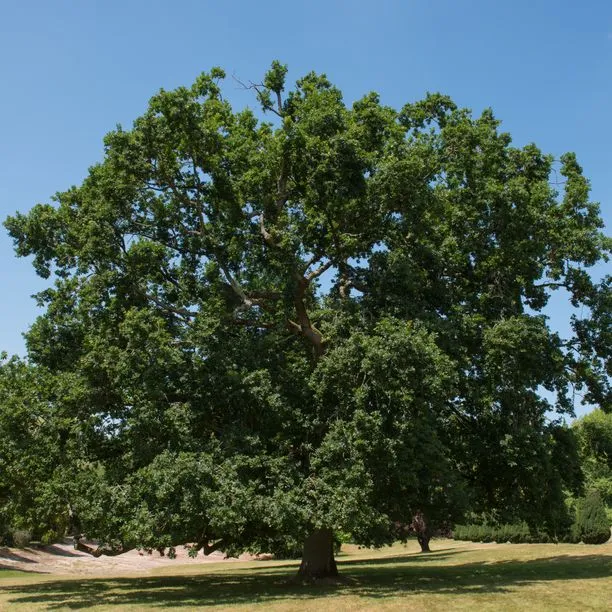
<point x="594" y="434"/>
<point x="35" y="449"/>
<point x="514" y="533"/>
<point x="332" y="320"/>
<point x="21" y="538"/>
<point x="591" y="524"/>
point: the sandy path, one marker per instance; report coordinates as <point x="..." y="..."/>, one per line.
<point x="61" y="558"/>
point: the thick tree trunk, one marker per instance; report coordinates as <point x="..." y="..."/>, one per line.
<point x="318" y="556"/>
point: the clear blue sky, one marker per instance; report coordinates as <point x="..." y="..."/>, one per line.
<point x="72" y="70"/>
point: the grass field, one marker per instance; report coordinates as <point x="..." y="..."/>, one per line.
<point x="457" y="576"/>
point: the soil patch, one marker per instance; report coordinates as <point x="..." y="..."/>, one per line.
<point x="61" y="558"/>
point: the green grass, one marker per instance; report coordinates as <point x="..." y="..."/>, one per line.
<point x="457" y="575"/>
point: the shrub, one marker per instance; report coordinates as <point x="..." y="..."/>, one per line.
<point x="591" y="525"/>
<point x="515" y="533"/>
<point x="21" y="537"/>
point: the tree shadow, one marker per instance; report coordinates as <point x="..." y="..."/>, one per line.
<point x="60" y="552"/>
<point x="367" y="578"/>
<point x="13" y="556"/>
<point x="415" y="557"/>
<point x="412" y="557"/>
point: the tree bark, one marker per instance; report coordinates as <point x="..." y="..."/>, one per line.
<point x="424" y="542"/>
<point x="421" y="528"/>
<point x="97" y="551"/>
<point x="304" y="324"/>
<point x="318" y="556"/>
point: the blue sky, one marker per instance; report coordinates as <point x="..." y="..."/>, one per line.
<point x="72" y="70"/>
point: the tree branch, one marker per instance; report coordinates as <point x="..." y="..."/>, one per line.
<point x="250" y="323"/>
<point x="315" y="273"/>
<point x="235" y="285"/>
<point x="183" y="312"/>
<point x="258" y="87"/>
<point x="208" y="548"/>
<point x="98" y="551"/>
<point x="345" y="287"/>
<point x="267" y="236"/>
<point x="264" y="295"/>
<point x="304" y="324"/>
<point x="550" y="284"/>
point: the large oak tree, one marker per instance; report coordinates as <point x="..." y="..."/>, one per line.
<point x="328" y="321"/>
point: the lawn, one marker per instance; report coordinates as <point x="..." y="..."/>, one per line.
<point x="457" y="576"/>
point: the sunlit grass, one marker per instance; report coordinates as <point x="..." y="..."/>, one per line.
<point x="457" y="576"/>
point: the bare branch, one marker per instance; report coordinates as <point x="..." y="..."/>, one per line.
<point x="259" y="87"/>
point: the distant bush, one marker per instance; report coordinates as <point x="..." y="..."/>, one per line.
<point x="517" y="533"/>
<point x="21" y="538"/>
<point x="591" y="525"/>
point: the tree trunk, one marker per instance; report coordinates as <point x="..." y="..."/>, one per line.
<point x="421" y="528"/>
<point x="318" y="556"/>
<point x="424" y="542"/>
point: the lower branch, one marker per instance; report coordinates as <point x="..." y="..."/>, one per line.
<point x="98" y="551"/>
<point x="207" y="548"/>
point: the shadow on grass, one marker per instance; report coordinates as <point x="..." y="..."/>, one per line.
<point x="374" y="578"/>
<point x="433" y="556"/>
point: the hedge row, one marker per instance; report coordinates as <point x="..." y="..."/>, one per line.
<point x="519" y="533"/>
<point x="591" y="526"/>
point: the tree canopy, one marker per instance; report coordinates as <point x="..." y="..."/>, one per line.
<point x="331" y="320"/>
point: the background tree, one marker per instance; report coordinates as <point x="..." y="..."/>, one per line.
<point x="36" y="453"/>
<point x="592" y="525"/>
<point x="278" y="330"/>
<point x="594" y="433"/>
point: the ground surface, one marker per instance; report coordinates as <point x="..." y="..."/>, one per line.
<point x="64" y="560"/>
<point x="457" y="576"/>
